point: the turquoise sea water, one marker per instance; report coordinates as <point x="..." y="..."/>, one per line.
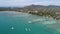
<point x="22" y="23"/>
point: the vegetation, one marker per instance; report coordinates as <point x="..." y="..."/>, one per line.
<point x="50" y="11"/>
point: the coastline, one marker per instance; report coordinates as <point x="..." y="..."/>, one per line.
<point x="31" y="14"/>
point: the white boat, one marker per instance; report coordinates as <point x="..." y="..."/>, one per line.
<point x="12" y="28"/>
<point x="26" y="29"/>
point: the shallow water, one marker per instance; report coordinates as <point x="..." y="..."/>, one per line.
<point x="22" y="23"/>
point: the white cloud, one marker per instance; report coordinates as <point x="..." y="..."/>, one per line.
<point x="27" y="2"/>
<point x="14" y="2"/>
<point x="47" y="3"/>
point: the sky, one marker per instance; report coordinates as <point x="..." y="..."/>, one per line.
<point x="19" y="3"/>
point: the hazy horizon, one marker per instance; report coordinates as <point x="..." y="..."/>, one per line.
<point x="21" y="3"/>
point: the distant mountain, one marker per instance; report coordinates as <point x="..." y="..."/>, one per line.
<point x="53" y="6"/>
<point x="30" y="7"/>
<point x="35" y="6"/>
<point x="41" y="6"/>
